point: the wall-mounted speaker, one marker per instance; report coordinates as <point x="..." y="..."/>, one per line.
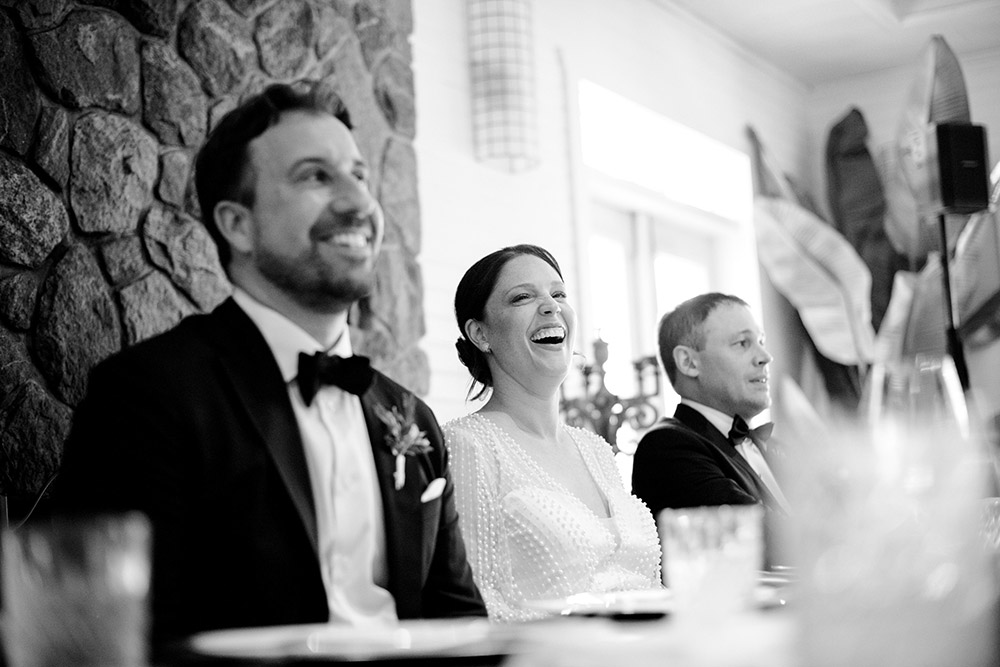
<point x="959" y="180"/>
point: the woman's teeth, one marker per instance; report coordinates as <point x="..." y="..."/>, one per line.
<point x="549" y="335"/>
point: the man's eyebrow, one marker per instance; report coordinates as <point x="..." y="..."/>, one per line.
<point x="356" y="160"/>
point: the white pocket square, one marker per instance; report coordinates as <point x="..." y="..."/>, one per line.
<point x="433" y="490"/>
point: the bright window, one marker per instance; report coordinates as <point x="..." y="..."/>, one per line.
<point x="629" y="142"/>
<point x="669" y="217"/>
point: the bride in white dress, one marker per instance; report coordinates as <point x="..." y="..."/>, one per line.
<point x="542" y="506"/>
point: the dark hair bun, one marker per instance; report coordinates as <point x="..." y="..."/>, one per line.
<point x="475" y="360"/>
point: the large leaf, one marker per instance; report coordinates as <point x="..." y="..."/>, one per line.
<point x="937" y="95"/>
<point x="842" y="382"/>
<point x="976" y="273"/>
<point x="819" y="272"/>
<point x="857" y="204"/>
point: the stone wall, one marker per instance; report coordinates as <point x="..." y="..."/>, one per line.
<point x="103" y="105"/>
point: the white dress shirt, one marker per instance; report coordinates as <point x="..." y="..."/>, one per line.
<point x="349" y="519"/>
<point x="747" y="448"/>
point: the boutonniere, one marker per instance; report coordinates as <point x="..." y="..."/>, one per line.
<point x="404" y="437"/>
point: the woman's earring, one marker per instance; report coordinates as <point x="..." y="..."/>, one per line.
<point x="486" y="348"/>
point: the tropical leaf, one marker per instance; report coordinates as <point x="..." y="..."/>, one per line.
<point x="857" y="205"/>
<point x="937" y="95"/>
<point x="842" y="382"/>
<point x="976" y="273"/>
<point x="767" y="179"/>
<point x="819" y="272"/>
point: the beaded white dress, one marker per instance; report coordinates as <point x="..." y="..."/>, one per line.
<point x="529" y="538"/>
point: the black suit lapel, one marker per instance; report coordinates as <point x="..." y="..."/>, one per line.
<point x="247" y="359"/>
<point x="742" y="469"/>
<point x="401" y="507"/>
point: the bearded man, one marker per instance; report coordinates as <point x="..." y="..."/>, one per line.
<point x="252" y="438"/>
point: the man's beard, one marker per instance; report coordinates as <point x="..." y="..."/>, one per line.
<point x="312" y="282"/>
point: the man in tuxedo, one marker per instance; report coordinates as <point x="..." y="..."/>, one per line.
<point x="284" y="484"/>
<point x="713" y="352"/>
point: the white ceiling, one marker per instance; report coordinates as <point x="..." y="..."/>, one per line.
<point x="818" y="41"/>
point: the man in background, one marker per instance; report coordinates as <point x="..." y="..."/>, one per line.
<point x="713" y="352"/>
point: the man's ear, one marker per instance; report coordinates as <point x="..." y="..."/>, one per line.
<point x="235" y="223"/>
<point x="686" y="360"/>
<point x="476" y="332"/>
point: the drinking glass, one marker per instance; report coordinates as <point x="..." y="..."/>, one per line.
<point x="75" y="592"/>
<point x="712" y="557"/>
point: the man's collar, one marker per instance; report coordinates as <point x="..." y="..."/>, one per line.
<point x="285" y="338"/>
<point x="716" y="418"/>
<point x="720" y="419"/>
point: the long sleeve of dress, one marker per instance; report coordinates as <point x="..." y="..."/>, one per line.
<point x="475" y="472"/>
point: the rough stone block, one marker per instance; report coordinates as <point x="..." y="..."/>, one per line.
<point x="250" y="8"/>
<point x="17" y="300"/>
<point x="398" y="195"/>
<point x="123" y="260"/>
<point x="52" y="150"/>
<point x="173" y="105"/>
<point x="331" y="29"/>
<point x="183" y="249"/>
<point x="216" y="41"/>
<point x="18" y="97"/>
<point x="77" y="324"/>
<point x="114" y="169"/>
<point x="32" y="219"/>
<point x="38" y="15"/>
<point x="175" y="175"/>
<point x="284" y="36"/>
<point x="395" y="94"/>
<point x="152" y="17"/>
<point x="32" y="443"/>
<point x="397" y="300"/>
<point x="151" y="306"/>
<point x="92" y="59"/>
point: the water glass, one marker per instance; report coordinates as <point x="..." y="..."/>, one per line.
<point x="712" y="557"/>
<point x="75" y="592"/>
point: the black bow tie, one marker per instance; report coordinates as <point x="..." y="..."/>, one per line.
<point x="353" y="374"/>
<point x="741" y="431"/>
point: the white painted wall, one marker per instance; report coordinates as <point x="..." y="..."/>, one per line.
<point x="660" y="58"/>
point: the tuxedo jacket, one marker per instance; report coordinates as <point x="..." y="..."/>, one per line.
<point x="685" y="461"/>
<point x="195" y="428"/>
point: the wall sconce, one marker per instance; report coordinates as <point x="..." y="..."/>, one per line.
<point x="504" y="123"/>
<point x="603" y="412"/>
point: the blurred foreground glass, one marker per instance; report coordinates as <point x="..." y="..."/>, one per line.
<point x="712" y="557"/>
<point x="894" y="567"/>
<point x="75" y="592"/>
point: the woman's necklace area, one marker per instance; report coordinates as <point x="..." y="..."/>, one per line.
<point x="560" y="461"/>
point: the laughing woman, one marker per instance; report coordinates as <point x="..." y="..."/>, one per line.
<point x="542" y="506"/>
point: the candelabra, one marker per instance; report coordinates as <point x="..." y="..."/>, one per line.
<point x="603" y="412"/>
